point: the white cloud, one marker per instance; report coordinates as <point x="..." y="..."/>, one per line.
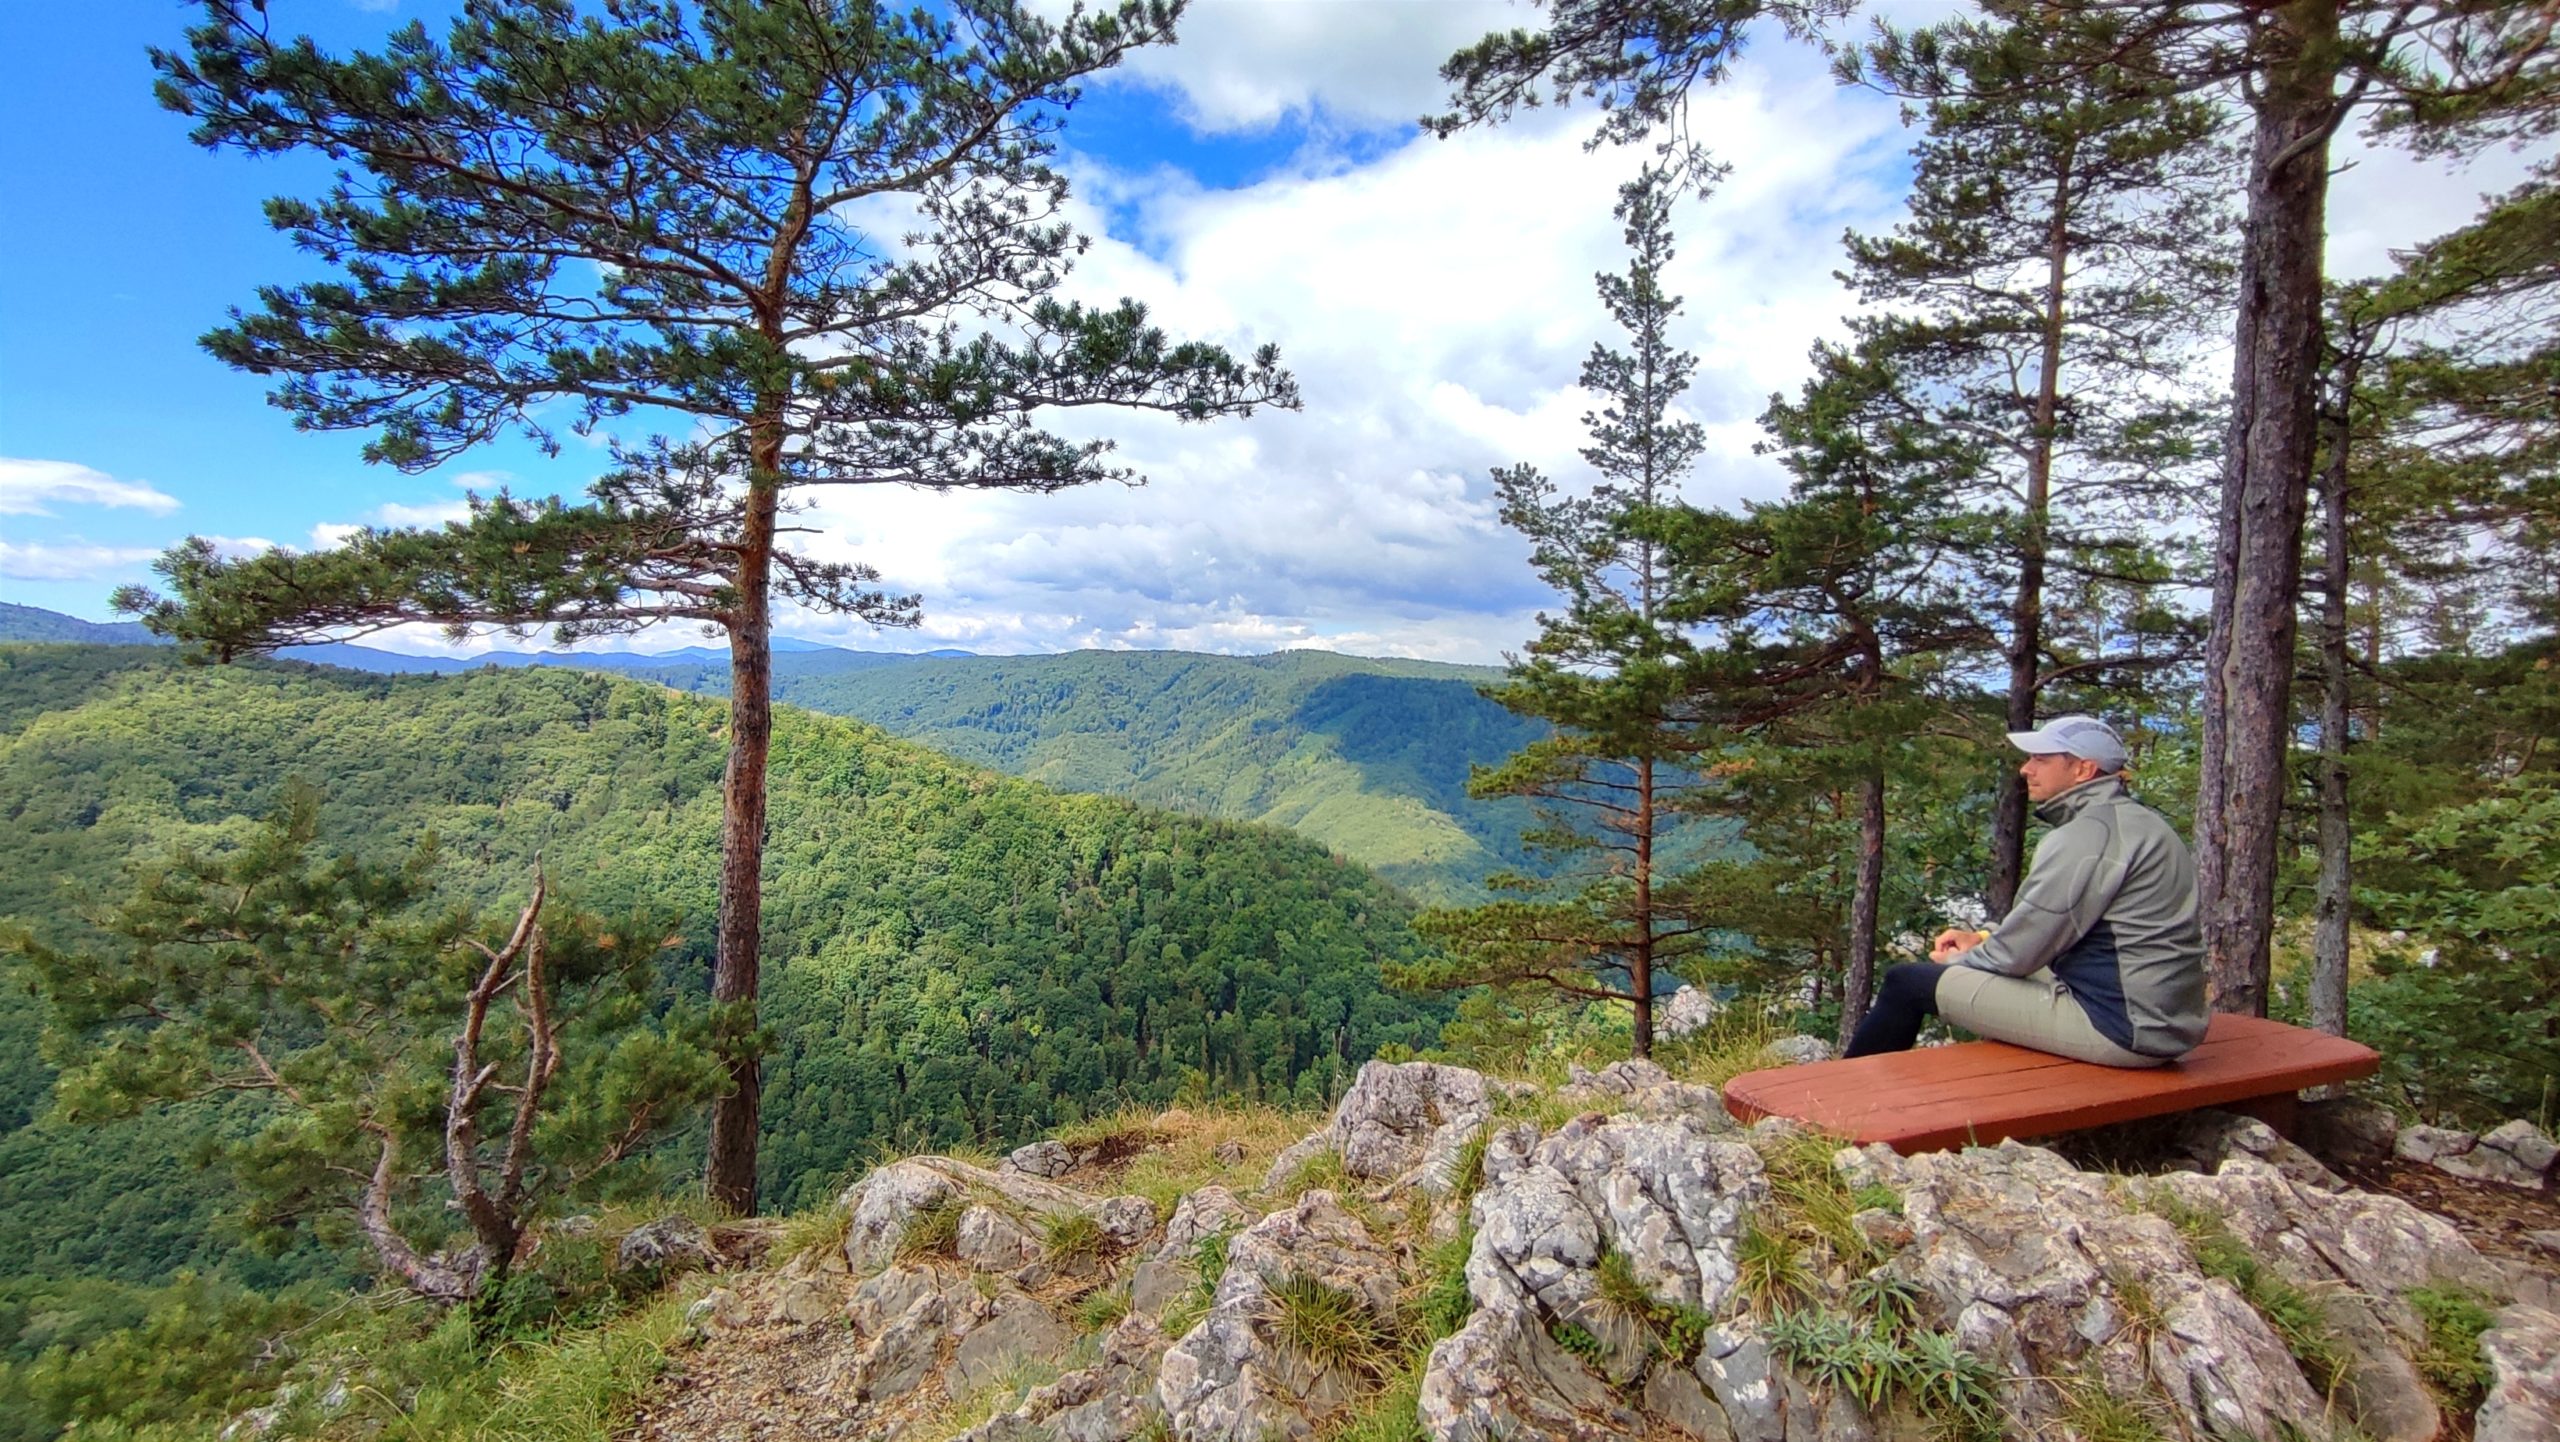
<point x="328" y="534"/>
<point x="1247" y="64"/>
<point x="236" y="547"/>
<point x="1435" y="306"/>
<point x="69" y="560"/>
<point x="435" y="513"/>
<point x="27" y="487"/>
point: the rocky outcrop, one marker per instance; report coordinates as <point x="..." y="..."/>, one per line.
<point x="665" y="1247"/>
<point x="2523" y="1352"/>
<point x="1407" y="1123"/>
<point x="2516" y="1154"/>
<point x="1643" y="1268"/>
<point x="1257" y="1366"/>
<point x="1684" y="1012"/>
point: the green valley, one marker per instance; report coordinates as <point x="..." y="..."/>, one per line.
<point x="1365" y="756"/>
<point x="953" y="957"/>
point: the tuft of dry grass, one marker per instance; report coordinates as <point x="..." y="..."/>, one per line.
<point x="1184" y="1155"/>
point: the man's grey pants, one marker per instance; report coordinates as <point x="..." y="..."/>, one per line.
<point x="2035" y="1010"/>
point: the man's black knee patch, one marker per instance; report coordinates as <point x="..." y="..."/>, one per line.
<point x="1913" y="984"/>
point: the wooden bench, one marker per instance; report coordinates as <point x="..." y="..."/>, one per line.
<point x="1979" y="1092"/>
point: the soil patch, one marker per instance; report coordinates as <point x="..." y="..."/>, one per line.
<point x="2495" y="1219"/>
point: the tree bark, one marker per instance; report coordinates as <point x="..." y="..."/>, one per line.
<point x="2329" y="941"/>
<point x="1640" y="962"/>
<point x="1858" y="984"/>
<point x="730" y="1176"/>
<point x="2266" y="475"/>
<point x="2026" y="608"/>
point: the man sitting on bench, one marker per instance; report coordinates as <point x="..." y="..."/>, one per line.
<point x="2099" y="959"/>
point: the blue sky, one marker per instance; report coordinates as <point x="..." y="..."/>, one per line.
<point x="1262" y="180"/>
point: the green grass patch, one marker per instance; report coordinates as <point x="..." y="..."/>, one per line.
<point x="1072" y="1237"/>
<point x="932" y="1231"/>
<point x="1102" y="1309"/>
<point x="1332" y="1328"/>
<point x="1671" y="1330"/>
<point x="1773" y="1270"/>
<point x="1444" y="1303"/>
<point x="2095" y="1414"/>
<point x="814" y="1233"/>
<point x="1810" y="1196"/>
<point x="1957" y="1393"/>
<point x="581" y="1388"/>
<point x="2452" y="1319"/>
<point x="1393" y="1413"/>
<point x="1208" y="1269"/>
<point x="2290" y="1312"/>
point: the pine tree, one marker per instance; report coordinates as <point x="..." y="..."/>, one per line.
<point x="2062" y="256"/>
<point x="1604" y="671"/>
<point x="691" y="212"/>
<point x="2298" y="69"/>
<point x="1838" y="612"/>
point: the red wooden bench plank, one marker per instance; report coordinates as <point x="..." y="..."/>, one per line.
<point x="1938" y="1097"/>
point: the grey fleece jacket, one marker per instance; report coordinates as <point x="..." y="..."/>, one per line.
<point x="2110" y="905"/>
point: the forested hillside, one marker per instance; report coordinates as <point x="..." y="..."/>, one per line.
<point x="1368" y="757"/>
<point x="951" y="956"/>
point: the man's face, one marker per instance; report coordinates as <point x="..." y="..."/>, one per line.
<point x="2050" y="775"/>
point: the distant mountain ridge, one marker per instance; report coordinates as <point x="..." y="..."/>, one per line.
<point x="34" y="624"/>
<point x="1366" y="756"/>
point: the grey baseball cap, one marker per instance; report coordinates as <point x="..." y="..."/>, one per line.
<point x="2086" y="737"/>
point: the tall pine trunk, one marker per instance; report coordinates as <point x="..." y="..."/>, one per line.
<point x="2266" y="482"/>
<point x="2026" y="608"/>
<point x="1640" y="962"/>
<point x="2329" y="941"/>
<point x="1858" y="981"/>
<point x="730" y="1178"/>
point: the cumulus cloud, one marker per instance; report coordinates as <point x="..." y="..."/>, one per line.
<point x="1435" y="304"/>
<point x="69" y="560"/>
<point x="28" y="487"/>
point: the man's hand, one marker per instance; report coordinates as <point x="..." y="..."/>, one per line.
<point x="1955" y="942"/>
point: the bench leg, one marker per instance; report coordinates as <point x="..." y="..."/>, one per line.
<point x="2278" y="1111"/>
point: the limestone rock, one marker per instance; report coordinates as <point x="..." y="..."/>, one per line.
<point x="1683" y="1012"/>
<point x="2529" y="1154"/>
<point x="2514" y="1155"/>
<point x="1397" y="1117"/>
<point x="990" y="1241"/>
<point x="1047" y="1159"/>
<point x="2523" y="1404"/>
<point x="1155" y="1283"/>
<point x="2209" y="1138"/>
<point x="803" y="1302"/>
<point x="1020" y="1331"/>
<point x="1502" y="1376"/>
<point x="1233" y="1378"/>
<point x="1203" y="1213"/>
<point x="1644" y="1087"/>
<point x="1669" y="1193"/>
<point x="2037" y="1264"/>
<point x="665" y="1247"/>
<point x="1127" y="1221"/>
<point x="1109" y="1402"/>
<point x="1228" y="1153"/>
<point x="2347" y="1131"/>
<point x="1799" y="1049"/>
<point x="883" y="1204"/>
